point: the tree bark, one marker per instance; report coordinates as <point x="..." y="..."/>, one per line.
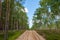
<point x="0" y="14"/>
<point x="17" y="25"/>
<point x="7" y="19"/>
<point x="0" y="8"/>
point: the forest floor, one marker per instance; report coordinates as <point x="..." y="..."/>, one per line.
<point x="30" y="35"/>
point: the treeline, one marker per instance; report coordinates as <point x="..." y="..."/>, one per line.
<point x="47" y="16"/>
<point x="13" y="15"/>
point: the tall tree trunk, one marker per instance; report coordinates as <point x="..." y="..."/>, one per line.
<point x="11" y="11"/>
<point x="0" y="8"/>
<point x="0" y="13"/>
<point x="7" y="19"/>
<point x="17" y="25"/>
<point x="14" y="24"/>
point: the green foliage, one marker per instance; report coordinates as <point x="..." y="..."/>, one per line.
<point x="17" y="16"/>
<point x="47" y="14"/>
<point x="13" y="17"/>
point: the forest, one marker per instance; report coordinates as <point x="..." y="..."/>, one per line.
<point x="14" y="19"/>
<point x="47" y="16"/>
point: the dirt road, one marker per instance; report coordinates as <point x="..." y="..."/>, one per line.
<point x="30" y="35"/>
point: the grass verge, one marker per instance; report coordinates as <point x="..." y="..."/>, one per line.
<point x="12" y="35"/>
<point x="50" y="34"/>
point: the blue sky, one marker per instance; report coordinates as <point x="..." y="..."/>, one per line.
<point x="31" y="5"/>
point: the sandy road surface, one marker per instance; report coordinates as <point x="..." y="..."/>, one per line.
<point x="30" y="35"/>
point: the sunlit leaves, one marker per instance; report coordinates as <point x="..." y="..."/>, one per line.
<point x="48" y="13"/>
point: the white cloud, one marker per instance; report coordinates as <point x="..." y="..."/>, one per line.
<point x="30" y="23"/>
<point x="26" y="10"/>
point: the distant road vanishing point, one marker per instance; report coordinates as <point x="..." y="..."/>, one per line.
<point x="30" y="35"/>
